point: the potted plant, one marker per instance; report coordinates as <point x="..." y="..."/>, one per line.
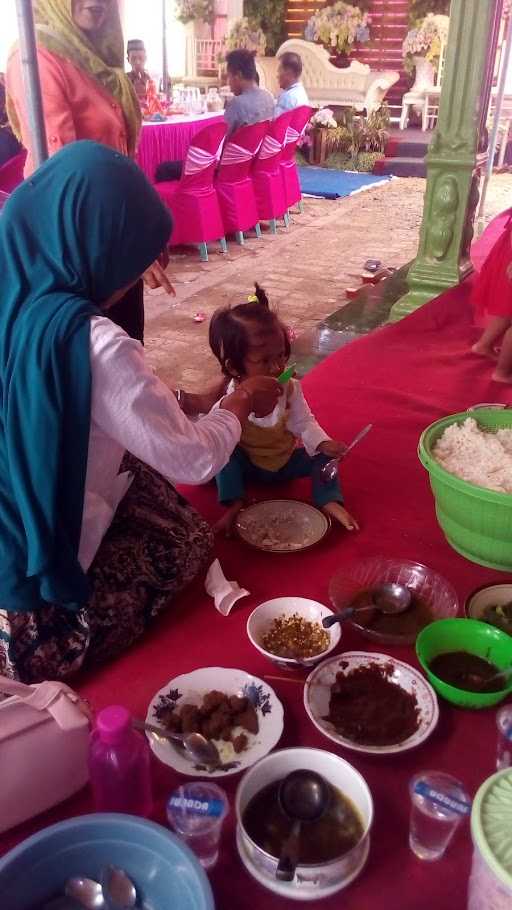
<point x="339" y="28"/>
<point x="191" y="10"/>
<point x="245" y="33"/>
<point x="422" y="48"/>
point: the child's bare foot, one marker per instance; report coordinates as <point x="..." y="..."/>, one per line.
<point x="226" y="523"/>
<point x="498" y="376"/>
<point x="484" y="350"/>
<point x="336" y="511"/>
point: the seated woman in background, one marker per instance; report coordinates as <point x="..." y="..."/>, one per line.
<point x="94" y="542"/>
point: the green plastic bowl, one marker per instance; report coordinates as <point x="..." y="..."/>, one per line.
<point x="476" y="522"/>
<point x="465" y="635"/>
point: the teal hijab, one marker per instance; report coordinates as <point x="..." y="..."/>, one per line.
<point x="85" y="225"/>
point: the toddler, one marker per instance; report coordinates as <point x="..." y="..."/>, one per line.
<point x="249" y="340"/>
<point x="492" y="300"/>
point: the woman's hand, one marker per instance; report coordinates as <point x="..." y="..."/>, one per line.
<point x="332" y="448"/>
<point x="259" y="394"/>
<point x="155" y="276"/>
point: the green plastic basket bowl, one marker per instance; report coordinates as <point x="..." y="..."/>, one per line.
<point x="476" y="522"/>
<point x="465" y="635"/>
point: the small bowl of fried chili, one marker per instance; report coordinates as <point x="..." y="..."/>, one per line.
<point x="289" y="631"/>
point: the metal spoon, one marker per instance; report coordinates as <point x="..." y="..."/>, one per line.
<point x="304" y="797"/>
<point x="329" y="471"/>
<point x="86" y="892"/>
<point x="501" y="674"/>
<point x="119" y="889"/>
<point x="388" y="598"/>
<point x="201" y="750"/>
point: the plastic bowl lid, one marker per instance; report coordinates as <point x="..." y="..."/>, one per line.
<point x="490" y="824"/>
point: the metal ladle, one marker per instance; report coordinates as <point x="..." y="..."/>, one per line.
<point x="329" y="471"/>
<point x="119" y="889"/>
<point x="389" y="598"/>
<point x="201" y="750"/>
<point x="303" y="796"/>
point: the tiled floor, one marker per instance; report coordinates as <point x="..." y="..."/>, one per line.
<point x="305" y="270"/>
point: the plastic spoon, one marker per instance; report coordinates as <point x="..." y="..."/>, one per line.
<point x="388" y="598"/>
<point x="287" y="374"/>
<point x="201" y="750"/>
<point x="303" y="796"/>
<point x="329" y="471"/>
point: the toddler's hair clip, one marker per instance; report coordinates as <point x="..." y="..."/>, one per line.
<point x="252" y="298"/>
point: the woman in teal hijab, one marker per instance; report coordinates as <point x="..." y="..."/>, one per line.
<point x="74" y="395"/>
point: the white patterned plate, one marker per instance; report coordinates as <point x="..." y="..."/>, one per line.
<point x="317" y="692"/>
<point x="189" y="689"/>
<point x="282" y="525"/>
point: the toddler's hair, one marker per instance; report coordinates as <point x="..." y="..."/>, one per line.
<point x="228" y="335"/>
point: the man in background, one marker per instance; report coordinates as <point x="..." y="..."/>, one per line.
<point x="251" y="104"/>
<point x="145" y="88"/>
<point x="292" y="94"/>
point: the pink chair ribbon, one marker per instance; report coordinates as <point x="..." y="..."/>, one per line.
<point x="292" y="135"/>
<point x="199" y="160"/>
<point x="270" y="147"/>
<point x="236" y="154"/>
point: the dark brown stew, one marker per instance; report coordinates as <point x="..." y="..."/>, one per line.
<point x="467" y="671"/>
<point x="337" y="832"/>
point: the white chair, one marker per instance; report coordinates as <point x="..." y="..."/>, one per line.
<point x="427" y="99"/>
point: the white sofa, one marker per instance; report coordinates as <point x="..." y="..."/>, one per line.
<point x="356" y="86"/>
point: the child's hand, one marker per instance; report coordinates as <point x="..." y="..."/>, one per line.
<point x="332" y="448"/>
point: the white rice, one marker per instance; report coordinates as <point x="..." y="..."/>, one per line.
<point x="477" y="456"/>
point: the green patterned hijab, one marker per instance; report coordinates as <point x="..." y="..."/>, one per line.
<point x="103" y="60"/>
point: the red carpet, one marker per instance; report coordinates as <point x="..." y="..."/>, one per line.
<point x="400" y="378"/>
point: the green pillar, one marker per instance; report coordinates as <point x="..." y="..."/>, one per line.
<point x="456" y="154"/>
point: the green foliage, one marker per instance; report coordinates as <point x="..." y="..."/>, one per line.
<point x="362" y="134"/>
<point x="364" y="162"/>
<point x="270" y="16"/>
<point x="420" y="8"/>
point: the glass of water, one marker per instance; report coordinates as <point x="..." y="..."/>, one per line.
<point x="196" y="811"/>
<point x="439" y="803"/>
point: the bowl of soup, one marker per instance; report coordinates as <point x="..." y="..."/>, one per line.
<point x="333" y="850"/>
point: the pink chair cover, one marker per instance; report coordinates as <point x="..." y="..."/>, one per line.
<point x="234" y="186"/>
<point x="266" y="175"/>
<point x="300" y="119"/>
<point x="193" y="199"/>
<point x="11" y="173"/>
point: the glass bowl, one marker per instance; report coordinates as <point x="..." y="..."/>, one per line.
<point x="434" y="590"/>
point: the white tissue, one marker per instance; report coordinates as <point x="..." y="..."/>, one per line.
<point x="225" y="593"/>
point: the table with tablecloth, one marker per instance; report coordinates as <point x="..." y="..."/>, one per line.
<point x="400" y="378"/>
<point x="169" y="141"/>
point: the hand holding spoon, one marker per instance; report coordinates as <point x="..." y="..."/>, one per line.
<point x="329" y="471"/>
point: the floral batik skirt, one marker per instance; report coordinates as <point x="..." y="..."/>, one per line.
<point x="154" y="547"/>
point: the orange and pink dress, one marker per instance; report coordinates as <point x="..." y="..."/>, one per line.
<point x="75" y="105"/>
<point x="492" y="293"/>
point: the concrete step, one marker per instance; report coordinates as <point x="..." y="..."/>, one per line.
<point x="401" y="167"/>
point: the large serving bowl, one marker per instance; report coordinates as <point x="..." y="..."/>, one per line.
<point x="165" y="872"/>
<point x="364" y="574"/>
<point x="476" y="522"/>
<point x="262" y="617"/>
<point x="474" y="637"/>
<point x="310" y="881"/>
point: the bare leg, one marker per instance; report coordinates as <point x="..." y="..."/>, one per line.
<point x="496" y="328"/>
<point x="225" y="524"/>
<point x="503" y="371"/>
<point x="335" y="510"/>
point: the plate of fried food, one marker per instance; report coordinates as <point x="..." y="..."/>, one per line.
<point x="240" y="713"/>
<point x="282" y="525"/>
<point x="371" y="703"/>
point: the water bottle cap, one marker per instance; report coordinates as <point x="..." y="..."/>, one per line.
<point x="113" y="723"/>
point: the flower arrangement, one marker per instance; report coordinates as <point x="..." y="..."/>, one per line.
<point x="324" y="118"/>
<point x="245" y="33"/>
<point x="189" y="10"/>
<point x="426" y="40"/>
<point x="338" y="27"/>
